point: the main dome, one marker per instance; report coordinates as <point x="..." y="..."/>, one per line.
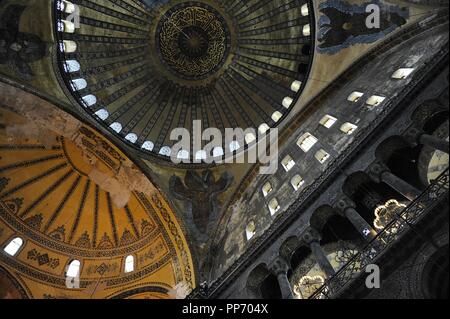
<point x="144" y="68"/>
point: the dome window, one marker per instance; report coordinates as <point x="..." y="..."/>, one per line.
<point x="116" y="127"/>
<point x="305" y="10"/>
<point x="183" y="155"/>
<point x="66" y="26"/>
<point x="79" y="84"/>
<point x="14" y="246"/>
<point x="67" y="46"/>
<point x="201" y="155"/>
<point x="129" y="264"/>
<point x="234" y="146"/>
<point x="89" y="100"/>
<point x="263" y="128"/>
<point x="267" y="189"/>
<point x="250" y="138"/>
<point x="72" y="66"/>
<point x="307" y="142"/>
<point x="165" y="151"/>
<point x="73" y="271"/>
<point x="296" y="86"/>
<point x="65" y="6"/>
<point x="287" y="102"/>
<point x="277" y="116"/>
<point x="328" y="121"/>
<point x="288" y="163"/>
<point x="218" y="152"/>
<point x="102" y="114"/>
<point x="148" y="145"/>
<point x="132" y="138"/>
<point x="307" y="30"/>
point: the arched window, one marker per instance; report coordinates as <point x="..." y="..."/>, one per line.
<point x="66" y="6"/>
<point x="72" y="66"/>
<point x="132" y="138"/>
<point x="73" y="271"/>
<point x="89" y="100"/>
<point x="250" y="231"/>
<point x="183" y="155"/>
<point x="250" y="138"/>
<point x="68" y="46"/>
<point x="263" y="128"/>
<point x="296" y="86"/>
<point x="287" y="102"/>
<point x="148" y="145"/>
<point x="102" y="114"/>
<point x="348" y="128"/>
<point x="234" y="146"/>
<point x="307" y="142"/>
<point x="116" y="127"/>
<point x="201" y="155"/>
<point x="402" y="74"/>
<point x="328" y="121"/>
<point x="79" y="84"/>
<point x="14" y="246"/>
<point x="66" y="26"/>
<point x="129" y="264"/>
<point x="322" y="156"/>
<point x="297" y="182"/>
<point x="307" y="30"/>
<point x="218" y="152"/>
<point x="288" y="163"/>
<point x="276" y="116"/>
<point x="355" y="96"/>
<point x="274" y="206"/>
<point x="375" y="100"/>
<point x="165" y="151"/>
<point x="305" y="10"/>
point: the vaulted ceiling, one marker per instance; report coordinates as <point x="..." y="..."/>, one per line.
<point x="86" y="113"/>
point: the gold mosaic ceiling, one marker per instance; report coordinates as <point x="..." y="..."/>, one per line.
<point x="67" y="200"/>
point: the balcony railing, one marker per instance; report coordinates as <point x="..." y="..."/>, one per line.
<point x="395" y="230"/>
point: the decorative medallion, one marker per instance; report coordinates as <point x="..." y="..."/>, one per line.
<point x="193" y="40"/>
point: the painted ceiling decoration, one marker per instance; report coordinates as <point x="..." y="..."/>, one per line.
<point x="343" y="24"/>
<point x="87" y="107"/>
<point x="66" y="200"/>
<point x="144" y="68"/>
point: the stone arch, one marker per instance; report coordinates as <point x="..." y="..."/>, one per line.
<point x="430" y="115"/>
<point x="401" y="158"/>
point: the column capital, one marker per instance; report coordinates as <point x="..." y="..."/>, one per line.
<point x="310" y="236"/>
<point x="343" y="204"/>
<point x="376" y="169"/>
<point x="412" y="135"/>
<point x="279" y="266"/>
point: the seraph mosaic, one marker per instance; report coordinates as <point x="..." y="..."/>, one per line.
<point x="342" y="24"/>
<point x="18" y="49"/>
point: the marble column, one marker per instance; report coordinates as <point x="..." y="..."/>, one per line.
<point x="434" y="142"/>
<point x="280" y="269"/>
<point x="360" y="224"/>
<point x="322" y="259"/>
<point x="404" y="188"/>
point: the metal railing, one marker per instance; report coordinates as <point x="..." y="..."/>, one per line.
<point x="395" y="230"/>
